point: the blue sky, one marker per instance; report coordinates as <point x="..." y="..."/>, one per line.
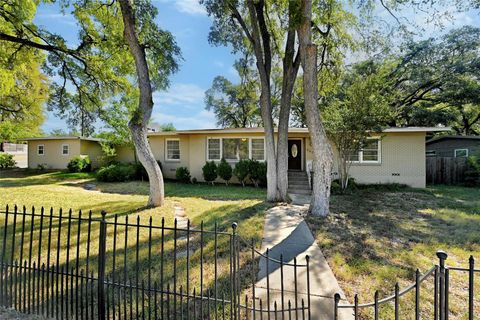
<point x="182" y="104"/>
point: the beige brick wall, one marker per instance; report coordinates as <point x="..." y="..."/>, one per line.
<point x="402" y="161"/>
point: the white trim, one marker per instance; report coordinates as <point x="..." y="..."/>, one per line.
<point x="462" y="149"/>
<point x="43" y="149"/>
<point x="379" y="151"/>
<point x="220" y="149"/>
<point x="234" y="160"/>
<point x="68" y="149"/>
<point x="166" y="150"/>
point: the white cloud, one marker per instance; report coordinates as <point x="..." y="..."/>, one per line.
<point x="192" y="7"/>
<point x="201" y="120"/>
<point x="57" y="17"/>
<point x="180" y="94"/>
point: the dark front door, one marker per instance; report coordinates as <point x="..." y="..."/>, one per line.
<point x="294" y="154"/>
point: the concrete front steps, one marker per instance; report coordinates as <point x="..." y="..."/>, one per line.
<point x="298" y="183"/>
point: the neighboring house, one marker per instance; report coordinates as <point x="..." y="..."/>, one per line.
<point x="19" y="152"/>
<point x="453" y="146"/>
<point x="56" y="152"/>
<point x="396" y="155"/>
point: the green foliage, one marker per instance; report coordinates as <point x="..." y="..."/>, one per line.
<point x="435" y="81"/>
<point x="241" y="170"/>
<point x="472" y="174"/>
<point x="167" y="127"/>
<point x="183" y="175"/>
<point x="109" y="153"/>
<point x="117" y="173"/>
<point x="350" y="116"/>
<point x="225" y="171"/>
<point x="96" y="79"/>
<point x="209" y="171"/>
<point x="23" y="86"/>
<point x="6" y="161"/>
<point x="80" y="164"/>
<point x="235" y="105"/>
<point x="257" y="172"/>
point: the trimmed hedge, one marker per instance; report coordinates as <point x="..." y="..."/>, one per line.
<point x="225" y="171"/>
<point x="183" y="175"/>
<point x="210" y="172"/>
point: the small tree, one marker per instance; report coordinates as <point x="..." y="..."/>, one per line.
<point x="225" y="171"/>
<point x="210" y="172"/>
<point x="241" y="171"/>
<point x="356" y="111"/>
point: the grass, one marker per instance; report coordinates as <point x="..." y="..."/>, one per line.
<point x="376" y="237"/>
<point x="211" y="205"/>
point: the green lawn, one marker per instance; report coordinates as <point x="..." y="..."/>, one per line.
<point x="201" y="202"/>
<point x="375" y="237"/>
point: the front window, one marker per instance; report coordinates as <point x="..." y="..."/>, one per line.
<point x="258" y="149"/>
<point x="235" y="149"/>
<point x="214" y="149"/>
<point x="173" y="150"/>
<point x="461" y="153"/>
<point x="65" y="149"/>
<point x="370" y="153"/>
<point x="40" y="149"/>
<point x="430" y="153"/>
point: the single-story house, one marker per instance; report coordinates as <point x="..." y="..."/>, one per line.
<point x="396" y="155"/>
<point x="452" y="146"/>
<point x="56" y="152"/>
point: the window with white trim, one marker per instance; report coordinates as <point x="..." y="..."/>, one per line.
<point x="461" y="153"/>
<point x="430" y="153"/>
<point x="173" y="149"/>
<point x="214" y="149"/>
<point x="370" y="153"/>
<point x="41" y="149"/>
<point x="65" y="149"/>
<point x="258" y="149"/>
<point x="235" y="148"/>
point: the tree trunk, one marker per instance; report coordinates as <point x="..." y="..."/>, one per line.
<point x="138" y="122"/>
<point x="291" y="64"/>
<point x="322" y="151"/>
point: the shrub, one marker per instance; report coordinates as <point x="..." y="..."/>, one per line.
<point x="241" y="171"/>
<point x="257" y="172"/>
<point x="117" y="173"/>
<point x="141" y="173"/>
<point x="183" y="175"/>
<point x="109" y="154"/>
<point x="225" y="171"/>
<point x="472" y="174"/>
<point x="6" y="161"/>
<point x="194" y="180"/>
<point x="80" y="164"/>
<point x="210" y="171"/>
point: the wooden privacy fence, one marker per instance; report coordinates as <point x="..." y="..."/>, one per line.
<point x="72" y="266"/>
<point x="446" y="170"/>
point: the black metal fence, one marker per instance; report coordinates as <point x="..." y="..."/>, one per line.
<point x="65" y="265"/>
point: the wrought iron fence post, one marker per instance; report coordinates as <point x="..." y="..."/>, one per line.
<point x="442" y="256"/>
<point x="471" y="267"/>
<point x="235" y="306"/>
<point x="101" y="267"/>
<point x="336" y="299"/>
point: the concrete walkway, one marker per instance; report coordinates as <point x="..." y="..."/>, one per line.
<point x="286" y="233"/>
